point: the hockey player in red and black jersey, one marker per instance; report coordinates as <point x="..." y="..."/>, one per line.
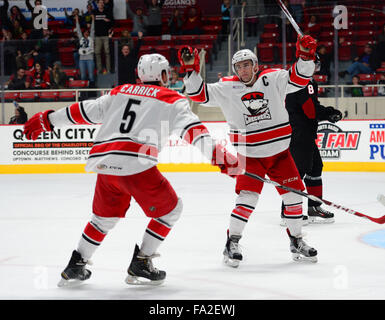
<point x="305" y="111"/>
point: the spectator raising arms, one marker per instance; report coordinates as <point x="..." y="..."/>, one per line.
<point x="154" y="16"/>
<point x="140" y="21"/>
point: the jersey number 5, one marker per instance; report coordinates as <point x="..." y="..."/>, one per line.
<point x="129" y="117"/>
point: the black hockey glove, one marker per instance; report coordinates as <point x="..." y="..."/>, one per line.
<point x="333" y="115"/>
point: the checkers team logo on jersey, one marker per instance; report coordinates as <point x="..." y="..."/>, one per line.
<point x="331" y="140"/>
<point x="257" y="106"/>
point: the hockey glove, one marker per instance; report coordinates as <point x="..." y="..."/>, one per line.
<point x="188" y="59"/>
<point x="333" y="115"/>
<point x="306" y="47"/>
<point x="37" y="124"/>
<point x="226" y="161"/>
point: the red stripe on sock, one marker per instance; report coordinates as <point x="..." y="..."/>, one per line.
<point x="91" y="232"/>
<point x="293" y="210"/>
<point x="243" y="212"/>
<point x="158" y="228"/>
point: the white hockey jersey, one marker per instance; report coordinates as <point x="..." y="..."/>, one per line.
<point x="136" y="122"/>
<point x="257" y="117"/>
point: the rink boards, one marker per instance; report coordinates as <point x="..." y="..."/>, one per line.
<point x="349" y="145"/>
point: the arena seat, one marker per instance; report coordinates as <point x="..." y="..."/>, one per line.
<point x="67" y="96"/>
<point x="48" y="96"/>
<point x="265" y="52"/>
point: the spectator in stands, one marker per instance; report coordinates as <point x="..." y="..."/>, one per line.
<point x="297" y="6"/>
<point x="17" y="29"/>
<point x="381" y="44"/>
<point x="70" y="20"/>
<point x="125" y="38"/>
<point x="103" y="27"/>
<point x="140" y="21"/>
<point x="86" y="51"/>
<point x="57" y="78"/>
<point x="175" y="83"/>
<point x="4" y="14"/>
<point x="193" y="22"/>
<point x="20" y="116"/>
<point x="325" y="60"/>
<point x="15" y="14"/>
<point x="291" y="35"/>
<point x="87" y="16"/>
<point x="36" y="33"/>
<point x="25" y="50"/>
<point x="39" y="77"/>
<point x="127" y="62"/>
<point x="109" y="6"/>
<point x="46" y="48"/>
<point x="19" y="80"/>
<point x="357" y="90"/>
<point x="252" y="10"/>
<point x="10" y="49"/>
<point x="154" y="16"/>
<point x="368" y="62"/>
<point x="313" y="28"/>
<point x="225" y="11"/>
<point x="381" y="89"/>
<point x="175" y="23"/>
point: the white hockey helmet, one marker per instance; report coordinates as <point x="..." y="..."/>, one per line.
<point x="151" y="66"/>
<point x="243" y="55"/>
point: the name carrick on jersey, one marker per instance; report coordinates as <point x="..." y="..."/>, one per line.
<point x="136" y="122"/>
<point x="257" y="117"/>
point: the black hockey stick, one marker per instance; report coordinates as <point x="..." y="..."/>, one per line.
<point x="381" y="198"/>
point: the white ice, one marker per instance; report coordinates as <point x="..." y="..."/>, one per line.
<point x="42" y="218"/>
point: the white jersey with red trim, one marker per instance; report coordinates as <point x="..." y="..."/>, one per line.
<point x="257" y="117"/>
<point x="136" y="122"/>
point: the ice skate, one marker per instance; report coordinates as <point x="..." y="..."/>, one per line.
<point x="75" y="273"/>
<point x="320" y="215"/>
<point x="232" y="254"/>
<point x="141" y="270"/>
<point x="300" y="250"/>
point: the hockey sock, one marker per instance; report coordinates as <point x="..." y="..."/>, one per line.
<point x="245" y="205"/>
<point x="313" y="187"/>
<point x="93" y="235"/>
<point x="158" y="229"/>
<point x="293" y="212"/>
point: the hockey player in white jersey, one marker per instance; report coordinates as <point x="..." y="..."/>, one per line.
<point x="253" y="105"/>
<point x="136" y="122"/>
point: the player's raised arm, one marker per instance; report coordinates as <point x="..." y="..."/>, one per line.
<point x="84" y="112"/>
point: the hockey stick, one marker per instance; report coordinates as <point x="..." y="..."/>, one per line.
<point x="290" y="18"/>
<point x="380" y="220"/>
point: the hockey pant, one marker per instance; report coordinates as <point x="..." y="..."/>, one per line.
<point x="112" y="199"/>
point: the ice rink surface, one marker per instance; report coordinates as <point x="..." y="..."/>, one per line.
<point x="42" y="218"/>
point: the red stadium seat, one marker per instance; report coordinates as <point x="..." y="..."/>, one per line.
<point x="269" y="37"/>
<point x="366" y="26"/>
<point x="47" y="96"/>
<point x="367" y="78"/>
<point x="28" y="96"/>
<point x="271" y="27"/>
<point x="320" y="78"/>
<point x="368" y="91"/>
<point x="71" y="73"/>
<point x="66" y="55"/>
<point x="67" y="96"/>
<point x="345" y="51"/>
<point x="11" y="96"/>
<point x="78" y="84"/>
<point x="265" y="52"/>
<point x="211" y="29"/>
<point x="364" y="35"/>
<point x="290" y="55"/>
